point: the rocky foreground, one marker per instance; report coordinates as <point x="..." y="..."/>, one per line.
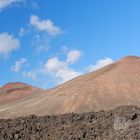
<point x="122" y="123"/>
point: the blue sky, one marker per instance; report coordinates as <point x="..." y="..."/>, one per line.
<point x="48" y="42"/>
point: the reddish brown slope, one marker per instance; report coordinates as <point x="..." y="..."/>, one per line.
<point x="14" y="91"/>
<point x="114" y="85"/>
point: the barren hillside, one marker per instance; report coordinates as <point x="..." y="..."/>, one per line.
<point x="114" y="85"/>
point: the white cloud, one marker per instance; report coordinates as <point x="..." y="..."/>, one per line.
<point x="42" y="32"/>
<point x="44" y="25"/>
<point x="30" y="74"/>
<point x="73" y="56"/>
<point x="19" y="64"/>
<point x="99" y="64"/>
<point x="53" y="65"/>
<point x="5" y="3"/>
<point x="19" y="67"/>
<point x="60" y="70"/>
<point x="8" y="43"/>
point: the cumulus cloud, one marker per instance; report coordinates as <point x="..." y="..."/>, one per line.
<point x="19" y="64"/>
<point x="60" y="70"/>
<point x="8" y="43"/>
<point x="99" y="64"/>
<point x="19" y="67"/>
<point x="44" y="25"/>
<point x="42" y="31"/>
<point x="5" y="3"/>
<point x="73" y="56"/>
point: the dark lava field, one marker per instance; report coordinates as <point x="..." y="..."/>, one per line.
<point x="122" y="123"/>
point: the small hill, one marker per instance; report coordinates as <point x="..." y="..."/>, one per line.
<point x="15" y="91"/>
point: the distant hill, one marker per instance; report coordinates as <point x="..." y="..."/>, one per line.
<point x="15" y="91"/>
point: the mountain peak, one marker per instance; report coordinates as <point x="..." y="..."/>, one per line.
<point x="11" y="84"/>
<point x="131" y="57"/>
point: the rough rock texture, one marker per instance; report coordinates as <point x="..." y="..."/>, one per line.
<point x="122" y="123"/>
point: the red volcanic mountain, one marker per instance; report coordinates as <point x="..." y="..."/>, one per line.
<point x="114" y="85"/>
<point x="16" y="91"/>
